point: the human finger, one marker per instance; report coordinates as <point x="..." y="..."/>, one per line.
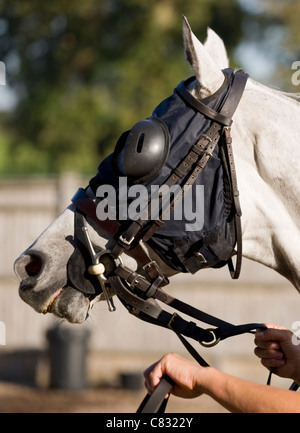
<point x="272" y="363"/>
<point x="267" y="344"/>
<point x="152" y="376"/>
<point x="268" y="354"/>
<point x="273" y="335"/>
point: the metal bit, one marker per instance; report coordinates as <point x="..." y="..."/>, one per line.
<point x="98" y="271"/>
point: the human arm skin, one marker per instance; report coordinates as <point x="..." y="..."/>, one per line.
<point x="236" y="395"/>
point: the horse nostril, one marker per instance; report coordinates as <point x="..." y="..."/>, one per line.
<point x="34" y="266"/>
<point x="28" y="265"/>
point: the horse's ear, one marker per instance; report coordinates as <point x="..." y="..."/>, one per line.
<point x="215" y="48"/>
<point x="206" y="70"/>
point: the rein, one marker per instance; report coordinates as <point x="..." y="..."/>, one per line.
<point x="140" y="293"/>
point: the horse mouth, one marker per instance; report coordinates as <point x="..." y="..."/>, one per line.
<point x="69" y="304"/>
<point x="65" y="303"/>
<point x="47" y="309"/>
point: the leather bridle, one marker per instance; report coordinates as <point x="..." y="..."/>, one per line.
<point x="140" y="293"/>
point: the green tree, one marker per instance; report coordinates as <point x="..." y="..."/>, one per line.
<point x="87" y="71"/>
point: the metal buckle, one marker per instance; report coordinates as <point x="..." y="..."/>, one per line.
<point x="214" y="342"/>
<point x="209" y="154"/>
<point x="207" y="138"/>
<point x="171" y="320"/>
<point x="125" y="241"/>
<point x="200" y="256"/>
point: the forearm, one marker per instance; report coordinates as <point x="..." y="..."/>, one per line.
<point x="238" y="395"/>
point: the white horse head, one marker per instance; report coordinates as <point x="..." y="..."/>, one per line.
<point x="265" y="139"/>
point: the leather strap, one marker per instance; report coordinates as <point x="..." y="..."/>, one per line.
<point x="236" y="92"/>
<point x="150" y="311"/>
<point x="156" y="402"/>
<point x="234" y="270"/>
<point x="224" y="116"/>
<point x="294" y="386"/>
<point x="232" y="170"/>
<point x="202" y="108"/>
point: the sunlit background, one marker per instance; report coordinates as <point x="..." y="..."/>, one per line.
<point x="77" y="75"/>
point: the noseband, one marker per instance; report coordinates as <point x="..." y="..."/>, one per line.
<point x="139" y="292"/>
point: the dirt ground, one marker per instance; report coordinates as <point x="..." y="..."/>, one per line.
<point x="22" y="399"/>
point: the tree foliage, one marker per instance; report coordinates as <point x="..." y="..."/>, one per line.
<point x="85" y="71"/>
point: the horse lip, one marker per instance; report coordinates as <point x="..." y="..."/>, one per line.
<point x="48" y="307"/>
<point x="62" y="306"/>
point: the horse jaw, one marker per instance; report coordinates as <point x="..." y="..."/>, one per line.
<point x="207" y="71"/>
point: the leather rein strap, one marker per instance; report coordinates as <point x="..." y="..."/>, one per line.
<point x="157" y="402"/>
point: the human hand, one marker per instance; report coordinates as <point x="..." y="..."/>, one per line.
<point x="277" y="350"/>
<point x="188" y="376"/>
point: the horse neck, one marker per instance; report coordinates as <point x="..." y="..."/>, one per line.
<point x="266" y="136"/>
